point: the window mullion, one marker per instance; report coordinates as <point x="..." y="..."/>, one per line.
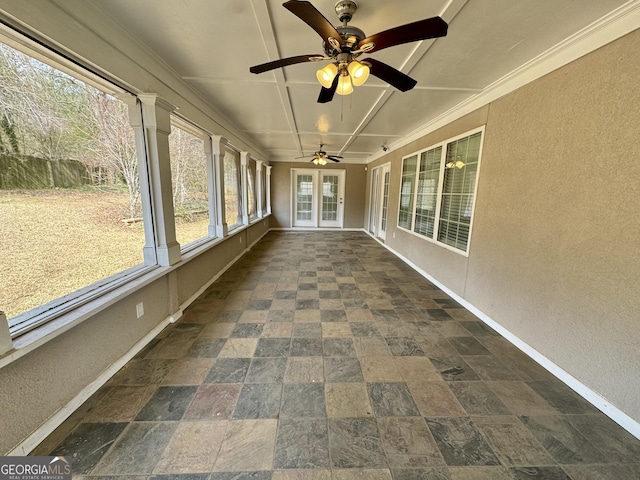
<point x="218" y="151"/>
<point x="436" y="221"/>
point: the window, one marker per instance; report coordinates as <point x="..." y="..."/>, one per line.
<point x="407" y="188"/>
<point x="440" y="207"/>
<point x="232" y="191"/>
<point x="251" y="190"/>
<point x="70" y="200"/>
<point x="189" y="182"/>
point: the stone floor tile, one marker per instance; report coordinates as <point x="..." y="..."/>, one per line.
<point x="408" y="442"/>
<point x="228" y="370"/>
<point x="435" y="399"/>
<point x="521" y="399"/>
<point x="362" y="473"/>
<point x="542" y="473"/>
<point x="277" y="330"/>
<point x="167" y="404"/>
<point x="302" y="474"/>
<point x="478" y="399"/>
<point x="416" y="369"/>
<point x="273" y="347"/>
<point x="217" y="330"/>
<point x="213" y="402"/>
<point x="302" y="443"/>
<point x="189" y="371"/>
<point x="137" y="450"/>
<point x="460" y="442"/>
<point x="239" y="348"/>
<point x="355" y="443"/>
<point x="120" y="404"/>
<point x="379" y="369"/>
<point x="304" y="370"/>
<point x="342" y="369"/>
<point x="193" y="448"/>
<point x="248" y="445"/>
<point x="88" y="443"/>
<point x="479" y="473"/>
<point x="392" y="400"/>
<point x="206" y="347"/>
<point x="348" y="400"/>
<point x="260" y="400"/>
<point x="303" y="400"/>
<point x="336" y="329"/>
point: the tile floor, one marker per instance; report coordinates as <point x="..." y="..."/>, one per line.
<point x="322" y="356"/>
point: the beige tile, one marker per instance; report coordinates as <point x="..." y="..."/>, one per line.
<point x="347" y="400"/>
<point x="193" y="447"/>
<point x="330" y="304"/>
<point x="254" y="316"/>
<point x="379" y="369"/>
<point x="521" y="399"/>
<point x="359" y="316"/>
<point x="362" y="474"/>
<point x="283" y="304"/>
<point x="371" y="347"/>
<point x="435" y="399"/>
<point x="120" y="404"/>
<point x="380" y="304"/>
<point x="248" y="445"/>
<point x="336" y="329"/>
<point x="479" y="473"/>
<point x="287" y="286"/>
<point x="189" y="371"/>
<point x="328" y="286"/>
<point x="450" y="328"/>
<point x="240" y="294"/>
<point x="306" y="316"/>
<point x="217" y="330"/>
<point x="304" y="370"/>
<point x="395" y="329"/>
<point x="416" y="369"/>
<point x="237" y="304"/>
<point x="408" y="442"/>
<point x="239" y="348"/>
<point x="277" y="330"/>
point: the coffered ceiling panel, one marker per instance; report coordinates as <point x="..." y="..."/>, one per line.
<point x="212" y="45"/>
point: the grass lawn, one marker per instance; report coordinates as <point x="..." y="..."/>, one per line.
<point x="53" y="242"/>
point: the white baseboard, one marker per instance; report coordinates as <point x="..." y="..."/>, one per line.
<point x="614" y="413"/>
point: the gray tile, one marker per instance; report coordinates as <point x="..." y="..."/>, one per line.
<point x="421" y="474"/>
<point x="303" y="400"/>
<point x="266" y="370"/>
<point x="364" y="329"/>
<point x="333" y="316"/>
<point x="206" y="347"/>
<point x="260" y="400"/>
<point x="87" y="443"/>
<point x="302" y="443"/>
<point x="478" y="399"/>
<point x="273" y="347"/>
<point x="213" y="402"/>
<point x="562" y="398"/>
<point x="454" y="369"/>
<point x="143" y="372"/>
<point x="338" y="347"/>
<point x="307" y="304"/>
<point x="616" y="444"/>
<point x="392" y="399"/>
<point x="306" y="347"/>
<point x="404" y="347"/>
<point x="138" y="449"/>
<point x="468" y="346"/>
<point x="228" y="370"/>
<point x="562" y="440"/>
<point x="259" y="305"/>
<point x="167" y="404"/>
<point x="460" y="442"/>
<point x="264" y="475"/>
<point x="247" y="330"/>
<point x="355" y="443"/>
<point x="307" y="330"/>
<point x="539" y="473"/>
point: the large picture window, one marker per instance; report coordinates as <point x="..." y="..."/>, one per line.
<point x="189" y="182"/>
<point x="232" y="190"/>
<point x="440" y="206"/>
<point x="70" y="200"/>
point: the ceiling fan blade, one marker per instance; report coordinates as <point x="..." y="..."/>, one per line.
<point x="392" y="76"/>
<point x="411" y="32"/>
<point x="326" y="94"/>
<point x="283" y="62"/>
<point x="312" y="17"/>
<point x="334" y="156"/>
<point x="335" y="159"/>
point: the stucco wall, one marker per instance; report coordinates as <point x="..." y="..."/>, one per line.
<point x="354" y="193"/>
<point x="552" y="254"/>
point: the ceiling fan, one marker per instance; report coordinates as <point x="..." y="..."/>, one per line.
<point x="320" y="157"/>
<point x="343" y="45"/>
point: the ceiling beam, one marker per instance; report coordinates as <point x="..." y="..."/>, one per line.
<point x="448" y="14"/>
<point x="263" y="20"/>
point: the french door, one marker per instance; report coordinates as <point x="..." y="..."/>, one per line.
<point x="318" y="198"/>
<point x="379" y="201"/>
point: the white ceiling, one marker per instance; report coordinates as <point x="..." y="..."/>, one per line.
<point x="212" y="43"/>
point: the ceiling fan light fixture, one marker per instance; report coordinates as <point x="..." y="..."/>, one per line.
<point x="344" y="85"/>
<point x="359" y="72"/>
<point x="327" y="74"/>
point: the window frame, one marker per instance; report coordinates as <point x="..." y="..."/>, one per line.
<point x="41" y="316"/>
<point x="440" y="190"/>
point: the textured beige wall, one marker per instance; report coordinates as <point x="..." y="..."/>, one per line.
<point x="553" y="253"/>
<point x="354" y="193"/>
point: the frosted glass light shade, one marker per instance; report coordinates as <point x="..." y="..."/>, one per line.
<point x="327" y="74"/>
<point x="359" y="72"/>
<point x="344" y="85"/>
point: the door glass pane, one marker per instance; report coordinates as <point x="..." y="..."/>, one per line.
<point x="385" y="202"/>
<point x="304" y="197"/>
<point x="330" y="198"/>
